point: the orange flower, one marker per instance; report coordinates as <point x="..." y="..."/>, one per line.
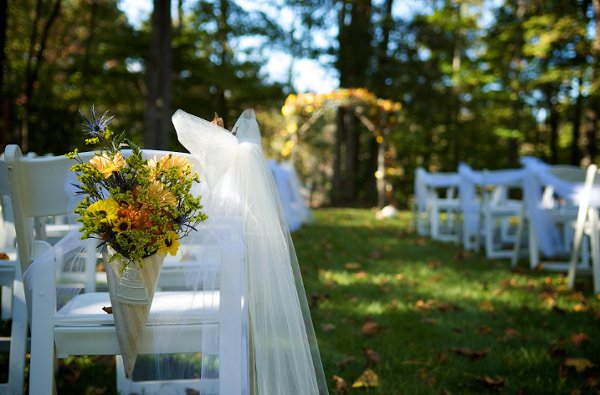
<point x="107" y="165"/>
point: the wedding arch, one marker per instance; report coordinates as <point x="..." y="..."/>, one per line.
<point x="352" y="106"/>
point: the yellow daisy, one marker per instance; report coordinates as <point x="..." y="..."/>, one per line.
<point x="106" y="209"/>
<point x="157" y="191"/>
<point x="106" y="164"/>
<point x="172" y="161"/>
<point x="170" y="244"/>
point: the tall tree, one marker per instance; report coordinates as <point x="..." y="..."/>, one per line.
<point x="158" y="101"/>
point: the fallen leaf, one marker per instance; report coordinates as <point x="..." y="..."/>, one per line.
<point x="426" y="377"/>
<point x="429" y="321"/>
<point x="4" y="256"/>
<point x="360" y="275"/>
<point x="107" y="310"/>
<point x="367" y="379"/>
<point x="579" y="307"/>
<point x="593" y="381"/>
<point x="328" y="327"/>
<point x="441" y="358"/>
<point x="340" y="384"/>
<point x="352" y="266"/>
<point x="485" y="329"/>
<point x="399" y="276"/>
<point x="495" y="383"/>
<point x="511" y="333"/>
<point x="448" y="307"/>
<point x="467" y="352"/>
<point x="372" y="356"/>
<point x="579" y="338"/>
<point x="580" y="364"/>
<point x="371" y="327"/>
<point x="424" y="305"/>
<point x="486" y="305"/>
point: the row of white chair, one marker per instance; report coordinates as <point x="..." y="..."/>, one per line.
<point x="508" y="212"/>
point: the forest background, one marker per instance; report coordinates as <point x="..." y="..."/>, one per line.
<point x="479" y="81"/>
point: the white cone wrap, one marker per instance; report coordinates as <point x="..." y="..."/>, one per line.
<point x="130" y="317"/>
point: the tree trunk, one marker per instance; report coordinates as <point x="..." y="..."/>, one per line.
<point x="224" y="52"/>
<point x="158" y="101"/>
<point x="337" y="182"/>
<point x="34" y="62"/>
<point x="85" y="68"/>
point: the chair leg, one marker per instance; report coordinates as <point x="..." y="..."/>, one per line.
<point x="517" y="246"/>
<point x="41" y="371"/>
<point x="18" y="341"/>
<point x="534" y="253"/>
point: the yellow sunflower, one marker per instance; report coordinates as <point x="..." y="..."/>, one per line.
<point x="106" y="164"/>
<point x="157" y="191"/>
<point x="106" y="209"/>
<point x="121" y="224"/>
<point x="170" y="244"/>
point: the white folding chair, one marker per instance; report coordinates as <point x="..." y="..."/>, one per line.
<point x="437" y="205"/>
<point x="13" y="307"/>
<point x="587" y="224"/>
<point x="549" y="215"/>
<point x="498" y="212"/>
<point x="81" y="328"/>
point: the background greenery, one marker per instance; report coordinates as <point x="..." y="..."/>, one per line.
<point x="481" y="81"/>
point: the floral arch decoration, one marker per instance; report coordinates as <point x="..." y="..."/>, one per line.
<point x="303" y="109"/>
<point x="378" y="115"/>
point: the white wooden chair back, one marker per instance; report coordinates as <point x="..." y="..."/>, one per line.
<point x="13" y="307"/>
<point x="587" y="224"/>
<point x="82" y="328"/>
<point x="560" y="212"/>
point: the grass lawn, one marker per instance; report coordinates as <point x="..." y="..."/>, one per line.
<point x="421" y="317"/>
<point x="426" y="318"/>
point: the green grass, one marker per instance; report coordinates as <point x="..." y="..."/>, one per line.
<point x="428" y="304"/>
<point x="431" y="302"/>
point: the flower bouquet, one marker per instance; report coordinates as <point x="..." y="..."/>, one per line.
<point x="139" y="210"/>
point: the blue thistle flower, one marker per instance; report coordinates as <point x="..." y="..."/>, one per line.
<point x="95" y="126"/>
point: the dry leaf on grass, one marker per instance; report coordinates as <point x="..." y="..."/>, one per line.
<point x="579" y="338"/>
<point x="484" y="329"/>
<point x="372" y="356"/>
<point x="367" y="379"/>
<point x="486" y="305"/>
<point x="352" y="266"/>
<point x="467" y="352"/>
<point x="494" y="383"/>
<point x="328" y="327"/>
<point x="580" y="364"/>
<point x="426" y="377"/>
<point x="340" y="384"/>
<point x="371" y="327"/>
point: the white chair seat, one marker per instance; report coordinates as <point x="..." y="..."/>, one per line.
<point x="86" y="309"/>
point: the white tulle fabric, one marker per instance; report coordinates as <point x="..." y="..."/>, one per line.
<point x="284" y="354"/>
<point x="538" y="176"/>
